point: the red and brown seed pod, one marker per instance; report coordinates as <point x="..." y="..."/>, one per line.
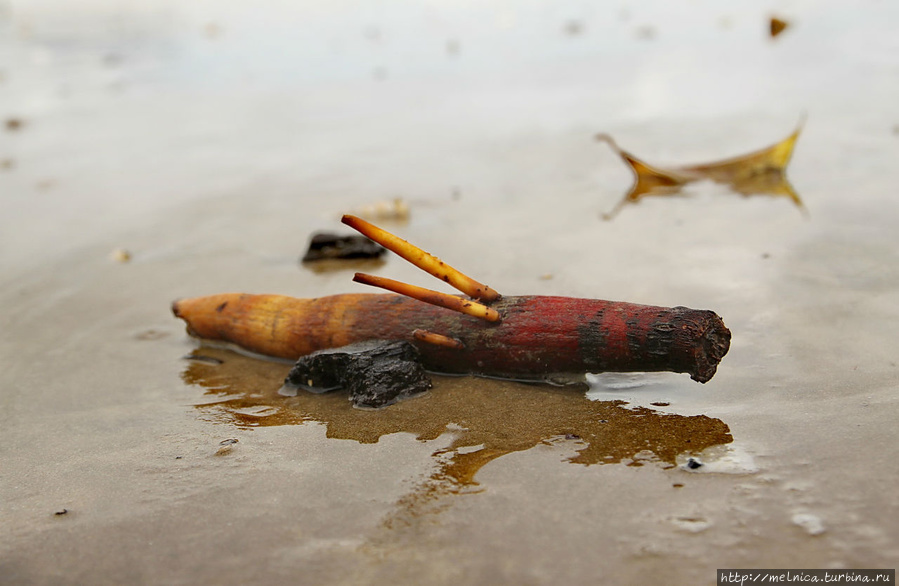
<point x="527" y="337"/>
<point x="536" y="336"/>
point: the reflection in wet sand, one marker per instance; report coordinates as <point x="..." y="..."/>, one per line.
<point x="331" y="265"/>
<point x="487" y="419"/>
<point x="763" y="172"/>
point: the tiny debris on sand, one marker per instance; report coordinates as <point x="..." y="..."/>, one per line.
<point x="120" y="255"/>
<point x="777" y="26"/>
<point x="396" y="209"/>
<point x="226" y="447"/>
<point x="812" y="524"/>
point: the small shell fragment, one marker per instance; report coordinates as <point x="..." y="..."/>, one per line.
<point x="120" y="255"/>
<point x="812" y="524"/>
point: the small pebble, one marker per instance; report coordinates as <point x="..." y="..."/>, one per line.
<point x="573" y="28"/>
<point x="212" y="30"/>
<point x="395" y="209"/>
<point x="151" y="334"/>
<point x="645" y="33"/>
<point x="692" y="524"/>
<point x="777" y="26"/>
<point x="227" y="446"/>
<point x="812" y="524"/>
<point x="120" y="255"/>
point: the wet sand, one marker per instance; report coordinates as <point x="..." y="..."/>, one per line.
<point x="211" y="145"/>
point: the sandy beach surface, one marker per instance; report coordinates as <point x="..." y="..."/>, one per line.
<point x="157" y="150"/>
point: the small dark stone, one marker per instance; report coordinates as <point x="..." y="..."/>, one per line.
<point x="61" y="512"/>
<point x="324" y="370"/>
<point x="693" y="464"/>
<point x="386" y="375"/>
<point x="228" y="442"/>
<point x="376" y="374"/>
<point x="324" y="245"/>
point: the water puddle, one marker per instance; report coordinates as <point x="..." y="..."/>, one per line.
<point x="486" y="419"/>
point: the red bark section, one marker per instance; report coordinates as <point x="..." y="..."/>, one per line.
<point x="536" y="337"/>
<point x="545" y="335"/>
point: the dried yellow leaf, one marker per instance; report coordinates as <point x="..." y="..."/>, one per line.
<point x="761" y="172"/>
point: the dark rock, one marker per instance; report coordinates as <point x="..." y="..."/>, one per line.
<point x="693" y="464"/>
<point x="376" y="374"/>
<point x="324" y="246"/>
<point x="385" y="375"/>
<point x="322" y="371"/>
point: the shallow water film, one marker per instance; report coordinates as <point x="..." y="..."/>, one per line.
<point x="151" y="151"/>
